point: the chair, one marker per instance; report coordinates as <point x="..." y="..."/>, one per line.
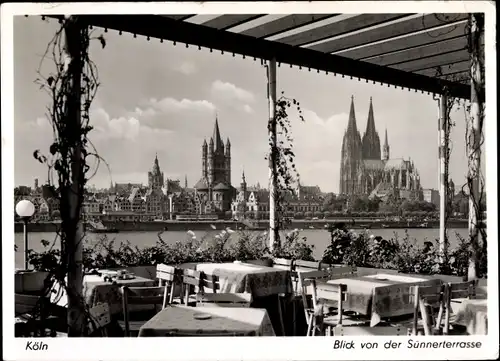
<point x="425" y="299"/>
<point x="193" y="283"/>
<point x="283" y="263"/>
<point x="456" y="293"/>
<point x="224" y="300"/>
<point x="168" y="276"/>
<point x="139" y="296"/>
<point x="305" y="280"/>
<point x="100" y="318"/>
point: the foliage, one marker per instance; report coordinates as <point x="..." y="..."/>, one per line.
<point x="282" y="159"/>
<point x="404" y="255"/>
<point x="294" y="247"/>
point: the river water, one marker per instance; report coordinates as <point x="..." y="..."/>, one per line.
<point x="318" y="238"/>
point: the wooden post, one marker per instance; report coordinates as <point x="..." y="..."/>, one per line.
<point x="443" y="171"/>
<point x="474" y="139"/>
<point x="273" y="176"/>
<point x="74" y="227"/>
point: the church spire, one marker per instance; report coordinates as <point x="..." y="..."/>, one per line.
<point x="351" y="125"/>
<point x="386" y="146"/>
<point x="370" y="125"/>
<point x="216" y="136"/>
<point x="371" y="140"/>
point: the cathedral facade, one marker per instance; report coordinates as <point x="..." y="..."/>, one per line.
<point x="365" y="170"/>
<point x="214" y="191"/>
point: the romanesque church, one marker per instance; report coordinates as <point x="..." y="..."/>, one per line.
<point x="365" y="171"/>
<point x="214" y="188"/>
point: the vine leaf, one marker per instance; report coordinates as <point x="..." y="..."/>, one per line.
<point x="50" y="80"/>
<point x="102" y="40"/>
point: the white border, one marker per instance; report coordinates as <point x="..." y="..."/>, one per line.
<point x="317" y="348"/>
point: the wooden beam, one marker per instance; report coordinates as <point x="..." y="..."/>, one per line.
<point x="340" y="27"/>
<point x="228" y="21"/>
<point x="406" y="43"/>
<point x="179" y="16"/>
<point x="447" y="69"/>
<point x="424" y="22"/>
<point x="283" y="24"/>
<point x="184" y="32"/>
<point x="422" y="52"/>
<point x="435" y="61"/>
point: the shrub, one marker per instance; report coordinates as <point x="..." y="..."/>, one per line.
<point x="294" y="247"/>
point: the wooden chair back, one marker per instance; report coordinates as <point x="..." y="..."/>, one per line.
<point x="100" y="318"/>
<point x="192" y="283"/>
<point x="224" y="300"/>
<point x="336" y="292"/>
<point x="167" y="276"/>
<point x="425" y="298"/>
<point x="25" y="304"/>
<point x="307" y="282"/>
<point x="179" y="333"/>
<point x="342" y="272"/>
<point x="456" y="292"/>
<point x="370" y="331"/>
<point x="306" y="265"/>
<point x="140" y="296"/>
<point x="283" y="263"/>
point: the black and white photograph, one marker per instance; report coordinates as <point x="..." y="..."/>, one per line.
<point x="248" y="170"/>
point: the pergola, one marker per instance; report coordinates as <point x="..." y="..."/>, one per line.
<point x="440" y="54"/>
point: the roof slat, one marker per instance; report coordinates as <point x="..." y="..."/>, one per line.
<point x="435" y="61"/>
<point x="390" y="31"/>
<point x="462" y="77"/>
<point x="407" y="42"/>
<point x="228" y="21"/>
<point x="285" y="23"/>
<point x="354" y="23"/>
<point x="185" y="32"/>
<point x="179" y="16"/>
<point x="448" y="69"/>
<point x="421" y="52"/>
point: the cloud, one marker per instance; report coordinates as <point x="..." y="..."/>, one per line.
<point x="229" y="91"/>
<point x="187" y="68"/>
<point x="170" y="105"/>
<point x="247" y="109"/>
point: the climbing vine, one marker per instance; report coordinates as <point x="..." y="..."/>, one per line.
<point x="72" y="86"/>
<point x="283" y="156"/>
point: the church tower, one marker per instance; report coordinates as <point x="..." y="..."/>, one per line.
<point x="155" y="177"/>
<point x="351" y="155"/>
<point x="386" y="147"/>
<point x="371" y="140"/>
<point x="228" y="161"/>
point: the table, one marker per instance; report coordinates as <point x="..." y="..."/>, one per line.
<point x="260" y="281"/>
<point x="96" y="290"/>
<point x="472" y="314"/>
<point x="381" y="295"/>
<point x="180" y="318"/>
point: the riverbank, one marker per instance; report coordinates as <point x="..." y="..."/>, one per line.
<point x="157" y="226"/>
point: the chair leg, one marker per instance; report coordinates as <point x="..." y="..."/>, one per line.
<point x="309" y="324"/>
<point x="282" y="325"/>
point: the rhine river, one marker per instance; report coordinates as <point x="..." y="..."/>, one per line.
<point x="319" y="238"/>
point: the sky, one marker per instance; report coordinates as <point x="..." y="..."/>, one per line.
<point x="157" y="98"/>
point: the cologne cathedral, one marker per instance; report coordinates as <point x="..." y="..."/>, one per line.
<point x="214" y="188"/>
<point x="365" y="171"/>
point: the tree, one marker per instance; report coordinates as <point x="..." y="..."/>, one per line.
<point x="299" y="215"/>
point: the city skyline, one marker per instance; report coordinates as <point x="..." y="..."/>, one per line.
<point x="138" y="113"/>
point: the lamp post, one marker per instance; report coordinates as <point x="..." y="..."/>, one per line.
<point x="25" y="209"/>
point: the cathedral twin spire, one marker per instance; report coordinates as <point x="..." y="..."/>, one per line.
<point x="370" y="143"/>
